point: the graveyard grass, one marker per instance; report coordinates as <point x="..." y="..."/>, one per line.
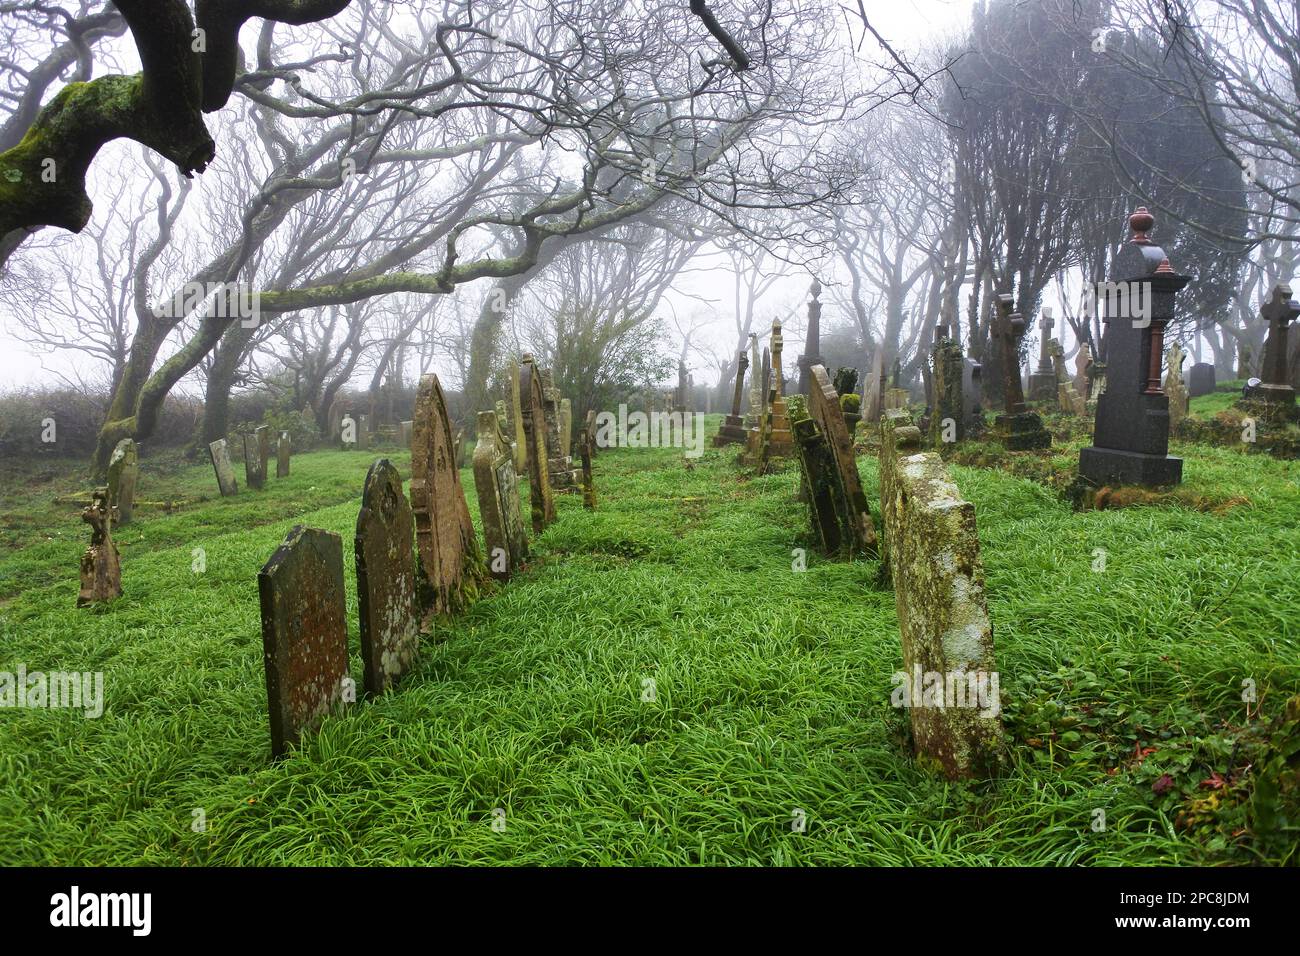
<point x="772" y="687"/>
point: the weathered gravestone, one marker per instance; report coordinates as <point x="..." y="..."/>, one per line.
<point x="1042" y="381"/>
<point x="101" y="568"/>
<point x="1130" y="440"/>
<point x="566" y="428"/>
<point x="972" y="396"/>
<point x="588" y="448"/>
<point x="1018" y="429"/>
<point x="1175" y="389"/>
<point x="222" y="466"/>
<point x="564" y="477"/>
<point x="1279" y="311"/>
<point x="257" y="452"/>
<point x="449" y="561"/>
<point x="1068" y="400"/>
<point x="733" y="426"/>
<point x="123" y="473"/>
<point x="947" y="421"/>
<point x="949" y="680"/>
<point x="777" y="441"/>
<point x="497" y="487"/>
<point x="517" y="420"/>
<point x="1200" y="380"/>
<point x="283" y="450"/>
<point x="385" y="558"/>
<point x="304" y="634"/>
<point x="855" y="531"/>
<point x="873" y="396"/>
<point x="533" y="418"/>
<point x="1082" y="363"/>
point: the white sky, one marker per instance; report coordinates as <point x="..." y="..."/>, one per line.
<point x="905" y="23"/>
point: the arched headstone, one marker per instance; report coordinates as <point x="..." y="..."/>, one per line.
<point x="390" y="632"/>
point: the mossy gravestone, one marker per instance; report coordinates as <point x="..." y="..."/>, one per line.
<point x="933" y="556"/>
<point x="304" y="634"/>
<point x="257" y="452"/>
<point x="101" y="569"/>
<point x="853" y="513"/>
<point x="283" y="449"/>
<point x="533" y="417"/>
<point x="449" y="561"/>
<point x="123" y="472"/>
<point x="224" y="469"/>
<point x="497" y="486"/>
<point x="384" y="544"/>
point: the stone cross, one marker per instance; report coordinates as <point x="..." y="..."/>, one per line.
<point x="778" y="343"/>
<point x="101" y="569"/>
<point x="497" y="486"/>
<point x="733" y="426"/>
<point x="1007" y="328"/>
<point x="1045" y="326"/>
<point x="385" y="562"/>
<point x="1278" y="311"/>
<point x="304" y="634"/>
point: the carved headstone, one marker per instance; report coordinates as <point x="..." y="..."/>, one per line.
<point x="777" y="439"/>
<point x="1200" y="380"/>
<point x="123" y="473"/>
<point x="304" y="633"/>
<point x="222" y="466"/>
<point x="449" y="559"/>
<point x="1130" y="440"/>
<point x="857" y="532"/>
<point x="498" y="499"/>
<point x="257" y="452"/>
<point x="566" y="428"/>
<point x="283" y="449"/>
<point x="385" y="559"/>
<point x="1279" y="311"/>
<point x="101" y="568"/>
<point x="564" y="478"/>
<point x="533" y="418"/>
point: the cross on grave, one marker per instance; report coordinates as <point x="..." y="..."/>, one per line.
<point x="1278" y="311"/>
<point x="1042" y="383"/>
<point x="733" y="427"/>
<point x="1018" y="429"/>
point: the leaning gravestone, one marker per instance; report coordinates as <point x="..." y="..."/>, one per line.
<point x="222" y="466"/>
<point x="932" y="552"/>
<point x="390" y="632"/>
<point x="533" y="418"/>
<point x="283" y="449"/>
<point x="304" y="633"/>
<point x="257" y="452"/>
<point x="859" y="532"/>
<point x="123" y="472"/>
<point x="497" y="486"/>
<point x="449" y="559"/>
<point x="101" y="568"/>
<point x="1130" y="440"/>
<point x="1200" y="380"/>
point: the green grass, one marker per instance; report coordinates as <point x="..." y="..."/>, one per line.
<point x="772" y="687"/>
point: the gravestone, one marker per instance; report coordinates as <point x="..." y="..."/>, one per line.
<point x="1068" y="400"/>
<point x="257" y="452"/>
<point x="947" y="419"/>
<point x="517" y="420"/>
<point x="385" y="559"/>
<point x="972" y="396"/>
<point x="304" y="633"/>
<point x="101" y="568"/>
<point x="221" y="465"/>
<point x="1018" y="429"/>
<point x="812" y="342"/>
<point x="123" y="473"/>
<point x="282" y="451"/>
<point x="588" y="449"/>
<point x="733" y="427"/>
<point x="497" y="486"/>
<point x="1082" y="364"/>
<point x="1042" y="381"/>
<point x="777" y="439"/>
<point x="449" y="563"/>
<point x="857" y="532"/>
<point x="1200" y="380"/>
<point x="564" y="478"/>
<point x="873" y="396"/>
<point x="757" y="399"/>
<point x="1175" y="389"/>
<point x="566" y="428"/>
<point x="1130" y="440"/>
<point x="533" y="419"/>
<point x="932" y="553"/>
<point x="1279" y="311"/>
<point x="365" y="438"/>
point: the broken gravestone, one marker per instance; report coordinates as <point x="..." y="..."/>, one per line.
<point x="257" y="452"/>
<point x="497" y="486"/>
<point x="533" y="418"/>
<point x="449" y="561"/>
<point x="304" y="634"/>
<point x="101" y="569"/>
<point x="384" y="545"/>
<point x="949" y="680"/>
<point x="123" y="472"/>
<point x="283" y="449"/>
<point x="222" y="466"/>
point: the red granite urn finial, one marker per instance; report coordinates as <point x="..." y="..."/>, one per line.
<point x="1164" y="268"/>
<point x="1141" y="223"/>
